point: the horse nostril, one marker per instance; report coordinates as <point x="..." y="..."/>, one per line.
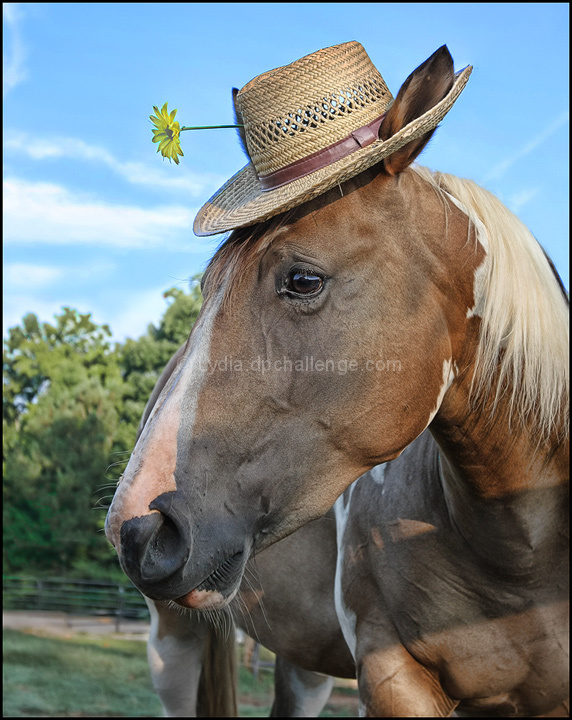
<point x="167" y="554"/>
<point x="152" y="547"/>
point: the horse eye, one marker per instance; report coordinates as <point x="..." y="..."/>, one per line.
<point x="304" y="282"/>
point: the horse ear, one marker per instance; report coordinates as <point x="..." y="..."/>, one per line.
<point x="238" y="120"/>
<point x="424" y="88"/>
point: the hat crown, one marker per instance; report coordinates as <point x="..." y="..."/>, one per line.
<point x="296" y="110"/>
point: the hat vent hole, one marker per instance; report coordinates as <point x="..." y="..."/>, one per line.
<point x="338" y="104"/>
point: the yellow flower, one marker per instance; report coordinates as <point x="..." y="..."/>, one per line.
<point x="166" y="133"/>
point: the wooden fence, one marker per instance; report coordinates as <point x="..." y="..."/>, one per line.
<point x="74" y="597"/>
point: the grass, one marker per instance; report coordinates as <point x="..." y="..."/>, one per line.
<point x="82" y="676"/>
<point x="101" y="676"/>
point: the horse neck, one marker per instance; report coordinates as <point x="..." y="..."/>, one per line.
<point x="506" y="490"/>
<point x="503" y="456"/>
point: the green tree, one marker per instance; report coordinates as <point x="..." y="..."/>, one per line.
<point x="61" y="386"/>
<point x="71" y="407"/>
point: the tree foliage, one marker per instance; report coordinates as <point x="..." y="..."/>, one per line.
<point x="71" y="406"/>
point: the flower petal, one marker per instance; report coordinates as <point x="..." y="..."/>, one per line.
<point x="166" y="133"/>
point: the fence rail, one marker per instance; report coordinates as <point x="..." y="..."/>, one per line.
<point x="74" y="597"/>
<point x="87" y="597"/>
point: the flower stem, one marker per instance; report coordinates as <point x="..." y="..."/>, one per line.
<point x="210" y="127"/>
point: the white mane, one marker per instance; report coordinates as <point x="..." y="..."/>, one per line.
<point x="524" y="312"/>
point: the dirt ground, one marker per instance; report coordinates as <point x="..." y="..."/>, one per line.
<point x="55" y="623"/>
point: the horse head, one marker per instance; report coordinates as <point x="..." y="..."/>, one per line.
<point x="326" y="343"/>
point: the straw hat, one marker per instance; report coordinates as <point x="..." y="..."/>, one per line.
<point x="309" y="126"/>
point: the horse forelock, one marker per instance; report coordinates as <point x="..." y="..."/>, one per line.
<point x="237" y="254"/>
<point x="524" y="314"/>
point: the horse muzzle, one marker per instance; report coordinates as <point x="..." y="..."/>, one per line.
<point x="169" y="558"/>
<point x="219" y="588"/>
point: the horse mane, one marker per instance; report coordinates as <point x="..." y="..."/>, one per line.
<point x="524" y="311"/>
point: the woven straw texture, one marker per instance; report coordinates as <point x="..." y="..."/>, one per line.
<point x="241" y="202"/>
<point x="325" y="95"/>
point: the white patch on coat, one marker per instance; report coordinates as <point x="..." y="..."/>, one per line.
<point x="193" y="369"/>
<point x="346" y="617"/>
<point x="175" y="663"/>
<point x="309" y="699"/>
<point x="482" y="271"/>
<point x="151" y="468"/>
<point x="479" y="289"/>
<point x="449" y="372"/>
<point x="377" y="474"/>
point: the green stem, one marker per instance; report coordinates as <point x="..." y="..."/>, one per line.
<point x="210" y="127"/>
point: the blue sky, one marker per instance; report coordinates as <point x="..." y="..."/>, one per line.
<point x="94" y="219"/>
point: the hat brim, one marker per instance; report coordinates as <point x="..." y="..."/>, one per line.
<point x="240" y="202"/>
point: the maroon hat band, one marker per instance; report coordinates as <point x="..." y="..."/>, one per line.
<point x="360" y="138"/>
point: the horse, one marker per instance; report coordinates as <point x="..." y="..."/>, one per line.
<point x="286" y="602"/>
<point x="404" y="317"/>
<point x="192" y="656"/>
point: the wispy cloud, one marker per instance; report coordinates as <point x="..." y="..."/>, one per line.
<point x="16" y="305"/>
<point x="14" y="70"/>
<point x="500" y="169"/>
<point x="140" y="309"/>
<point x="518" y="200"/>
<point x="36" y="288"/>
<point x="160" y="175"/>
<point x="130" y="318"/>
<point x="25" y="275"/>
<point x="44" y="148"/>
<point x="18" y="276"/>
<point x="49" y="213"/>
